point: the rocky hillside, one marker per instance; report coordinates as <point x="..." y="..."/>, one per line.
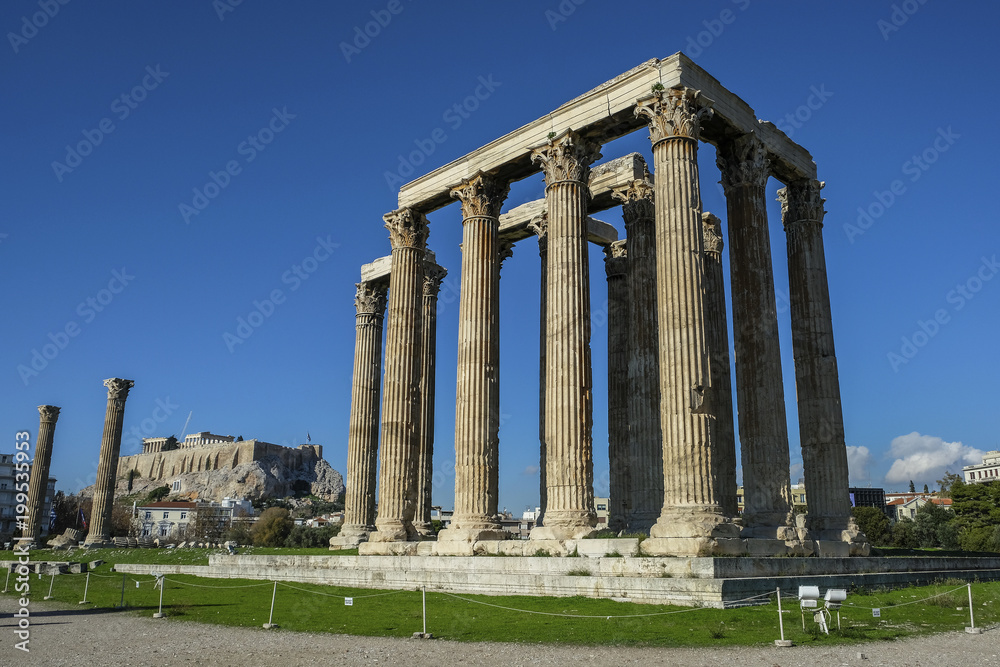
<point x="266" y="478"/>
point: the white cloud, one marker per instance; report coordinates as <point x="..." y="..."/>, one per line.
<point x="859" y="460"/>
<point x="530" y="470"/>
<point x="795" y="472"/>
<point x="924" y="458"/>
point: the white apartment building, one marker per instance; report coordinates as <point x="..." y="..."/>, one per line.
<point x="987" y="471"/>
<point x="8" y="499"/>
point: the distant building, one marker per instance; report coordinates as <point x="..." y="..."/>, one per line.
<point x="174" y="519"/>
<point x="987" y="471"/>
<point x="905" y="505"/>
<point x="8" y="499"/>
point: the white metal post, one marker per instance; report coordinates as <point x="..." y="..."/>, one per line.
<point x="424" y="597"/>
<point x="972" y="629"/>
<point x="85" y="587"/>
<point x="781" y="625"/>
<point x="51" y="581"/>
<point x="270" y="617"/>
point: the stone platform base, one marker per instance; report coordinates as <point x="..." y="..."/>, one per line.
<point x="708" y="582"/>
<point x="588" y="548"/>
<point x="348" y="542"/>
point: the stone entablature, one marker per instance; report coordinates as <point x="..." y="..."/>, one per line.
<point x="167" y="464"/>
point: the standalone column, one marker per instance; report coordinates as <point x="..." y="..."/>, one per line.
<point x="38" y="482"/>
<point x="477" y="396"/>
<point x="433" y="275"/>
<point x="691" y="521"/>
<point x="718" y="349"/>
<point x="569" y="402"/>
<point x="107" y="465"/>
<point x="759" y="390"/>
<point x="362" y="440"/>
<point x="645" y="437"/>
<point x="619" y="459"/>
<point x="397" y="484"/>
<point x="540" y="227"/>
<point x="817" y="382"/>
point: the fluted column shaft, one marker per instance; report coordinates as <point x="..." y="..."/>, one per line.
<point x="817" y="381"/>
<point x="540" y="228"/>
<point x="397" y="492"/>
<point x="433" y="275"/>
<point x="38" y="482"/>
<point x="362" y="440"/>
<point x="477" y="397"/>
<point x="107" y="465"/>
<point x="619" y="459"/>
<point x="717" y="333"/>
<point x="759" y="389"/>
<point x="569" y="385"/>
<point x="645" y="437"/>
<point x="691" y="519"/>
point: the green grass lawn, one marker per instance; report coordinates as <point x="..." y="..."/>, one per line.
<point x="185" y="556"/>
<point x="314" y="608"/>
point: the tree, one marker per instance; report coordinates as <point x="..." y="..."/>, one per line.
<point x="926" y="490"/>
<point x="873" y="523"/>
<point x="948" y="481"/>
<point x="158" y="494"/>
<point x="913" y="489"/>
<point x="904" y="534"/>
<point x="977" y="515"/>
<point x="305" y="536"/>
<point x="208" y="523"/>
<point x="272" y="528"/>
<point x="936" y="527"/>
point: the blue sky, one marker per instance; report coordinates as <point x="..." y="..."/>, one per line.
<point x="167" y="165"/>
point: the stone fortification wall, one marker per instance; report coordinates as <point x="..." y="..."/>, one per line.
<point x="169" y="464"/>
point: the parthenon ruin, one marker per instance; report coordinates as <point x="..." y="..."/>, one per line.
<point x="672" y="448"/>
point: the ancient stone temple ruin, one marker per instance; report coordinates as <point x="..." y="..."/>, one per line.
<point x="671" y="426"/>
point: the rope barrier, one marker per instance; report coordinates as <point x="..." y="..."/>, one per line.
<point x="185" y="583"/>
<point x="342" y="597"/>
<point x="903" y="604"/>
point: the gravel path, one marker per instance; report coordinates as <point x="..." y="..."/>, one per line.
<point x="62" y="635"/>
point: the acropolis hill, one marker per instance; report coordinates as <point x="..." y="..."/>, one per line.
<point x="205" y="465"/>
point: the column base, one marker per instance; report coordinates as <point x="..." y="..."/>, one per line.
<point x="395" y="531"/>
<point x="565" y="525"/>
<point x="692" y="546"/>
<point x="425" y="530"/>
<point x="696" y="522"/>
<point x="347" y="541"/>
<point x="471" y="535"/>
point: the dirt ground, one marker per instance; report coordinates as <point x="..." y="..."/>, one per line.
<point x="62" y="635"/>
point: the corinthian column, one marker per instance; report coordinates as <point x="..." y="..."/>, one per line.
<point x="717" y="331"/>
<point x="397" y="487"/>
<point x="107" y="465"/>
<point x="691" y="521"/>
<point x="362" y="440"/>
<point x="759" y="391"/>
<point x="620" y="462"/>
<point x="433" y="275"/>
<point x="643" y="391"/>
<point x="817" y="381"/>
<point x="477" y="397"/>
<point x="540" y="227"/>
<point x="38" y="482"/>
<point x="569" y="403"/>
